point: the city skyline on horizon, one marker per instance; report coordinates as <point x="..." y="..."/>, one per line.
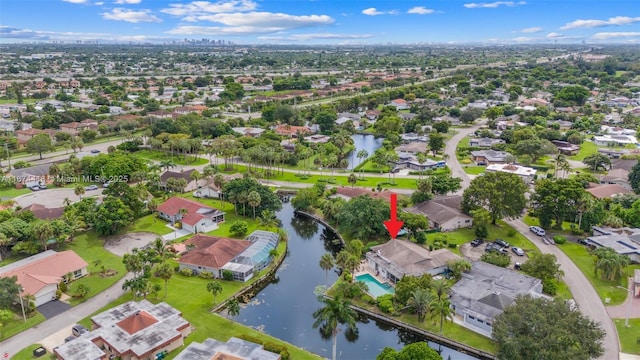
<point x="321" y="22"/>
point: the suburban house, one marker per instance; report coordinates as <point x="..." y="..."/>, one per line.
<point x="243" y="258"/>
<point x="74" y="128"/>
<point x="487" y="157"/>
<point x="603" y="191"/>
<point x="617" y="176"/>
<point x="186" y="175"/>
<point x="32" y="175"/>
<point x="412" y="137"/>
<point x="410" y="161"/>
<point x="346" y="117"/>
<point x="248" y="131"/>
<point x="26" y="135"/>
<point x="615" y="140"/>
<point x="412" y="148"/>
<point x="486" y="291"/>
<point x="566" y="148"/>
<point x="212" y="191"/>
<point x="132" y="331"/>
<point x="40" y="274"/>
<point x="291" y="131"/>
<point x="397" y="258"/>
<point x="443" y="213"/>
<point x="194" y="216"/>
<point x="636" y="282"/>
<point x="484" y="142"/>
<point x="526" y="173"/>
<point x="43" y="213"/>
<point x="399" y="104"/>
<point x="625" y="241"/>
<point x="233" y="349"/>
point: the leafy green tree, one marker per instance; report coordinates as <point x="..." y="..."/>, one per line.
<point x="436" y="142"/>
<point x="362" y="217"/>
<point x="457" y="267"/>
<point x="268" y="200"/>
<point x="444" y="183"/>
<point x="335" y="312"/>
<point x="496" y="258"/>
<point x="535" y="148"/>
<point x="502" y="194"/>
<point x="414" y="222"/>
<point x="573" y="94"/>
<point x="557" y="199"/>
<point x="128" y="195"/>
<point x="215" y="288"/>
<point x="112" y="216"/>
<point x="481" y="221"/>
<point x="163" y="271"/>
<point x="634" y="178"/>
<point x="326" y="263"/>
<point x="239" y="228"/>
<point x="6" y="315"/>
<point x="598" y="161"/>
<point x="353" y="179"/>
<point x="39" y="144"/>
<point x="406" y="285"/>
<point x="9" y="291"/>
<point x="545" y="268"/>
<point x="553" y="330"/>
<point x="82" y="290"/>
<point x="419" y="350"/>
<point x="326" y="120"/>
<point x="305" y="199"/>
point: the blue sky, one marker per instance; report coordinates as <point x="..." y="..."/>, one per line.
<point x="323" y="21"/>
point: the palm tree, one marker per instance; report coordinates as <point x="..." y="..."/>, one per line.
<point x="152" y="205"/>
<point x="336" y="311"/>
<point x="326" y="263"/>
<point x="457" y="267"/>
<point x="167" y="164"/>
<point x="160" y="249"/>
<point x="195" y="176"/>
<point x="254" y="201"/>
<point x="440" y="288"/>
<point x="214" y="288"/>
<point x="268" y="219"/>
<point x="219" y="183"/>
<point x="43" y="231"/>
<point x="347" y="261"/>
<point x="79" y="191"/>
<point x="442" y="309"/>
<point x="362" y="154"/>
<point x="421" y="301"/>
<point x="163" y="271"/>
<point x="233" y="307"/>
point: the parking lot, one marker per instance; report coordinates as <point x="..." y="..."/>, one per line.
<point x="51" y="198"/>
<point x="474" y="253"/>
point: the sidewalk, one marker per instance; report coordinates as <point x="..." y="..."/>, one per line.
<point x="630" y="308"/>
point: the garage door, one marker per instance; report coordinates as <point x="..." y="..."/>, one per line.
<point x="45" y="295"/>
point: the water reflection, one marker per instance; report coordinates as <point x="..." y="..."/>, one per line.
<point x="284" y="308"/>
<point x="363" y="142"/>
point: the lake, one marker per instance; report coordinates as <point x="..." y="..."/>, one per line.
<point x="363" y="142"/>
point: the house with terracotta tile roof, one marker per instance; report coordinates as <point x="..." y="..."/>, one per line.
<point x="399" y="104"/>
<point x="43" y="213"/>
<point x="184" y="174"/>
<point x="40" y="274"/>
<point x="73" y="128"/>
<point x="210" y="253"/>
<point x="133" y="330"/>
<point x="194" y="216"/>
<point x="291" y="131"/>
<point x="603" y="191"/>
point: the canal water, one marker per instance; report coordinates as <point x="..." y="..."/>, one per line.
<point x="363" y="142"/>
<point x="284" y="308"/>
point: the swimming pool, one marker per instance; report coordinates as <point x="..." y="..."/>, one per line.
<point x="375" y="287"/>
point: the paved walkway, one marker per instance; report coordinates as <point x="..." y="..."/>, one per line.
<point x="630" y="308"/>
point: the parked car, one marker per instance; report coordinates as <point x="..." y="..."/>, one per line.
<point x="538" y="230"/>
<point x="42" y="187"/>
<point x="517" y="266"/>
<point x="517" y="251"/>
<point x="91" y="187"/>
<point x="69" y="338"/>
<point x="78" y="330"/>
<point x="476" y="242"/>
<point x="34" y="188"/>
<point x="106" y="184"/>
<point x="583" y="241"/>
<point x="95" y="151"/>
<point x="501" y="243"/>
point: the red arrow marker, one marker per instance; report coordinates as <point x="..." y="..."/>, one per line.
<point x="393" y="225"/>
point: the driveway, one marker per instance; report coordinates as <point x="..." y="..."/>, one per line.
<point x="53" y="308"/>
<point x="630" y="308"/>
<point x="52" y="198"/>
<point x="123" y="244"/>
<point x="175" y="235"/>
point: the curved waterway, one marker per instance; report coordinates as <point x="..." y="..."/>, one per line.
<point x="363" y="142"/>
<point x="284" y="308"/>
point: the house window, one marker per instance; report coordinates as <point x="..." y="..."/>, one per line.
<point x="471" y="317"/>
<point x="467" y="221"/>
<point x="77" y="273"/>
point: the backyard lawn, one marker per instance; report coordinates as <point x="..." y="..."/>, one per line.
<point x="91" y="248"/>
<point x="178" y="160"/>
<point x="149" y="223"/>
<point x="473" y="170"/>
<point x="586" y="148"/>
<point x="629" y="336"/>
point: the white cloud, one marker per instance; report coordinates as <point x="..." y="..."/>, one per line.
<point x="554" y="35"/>
<point x="132" y="16"/>
<point x="7" y="32"/>
<point x="121" y="2"/>
<point x="524" y="39"/>
<point x="221" y="30"/>
<point x="420" y="10"/>
<point x="372" y="12"/>
<point x="493" y="4"/>
<point x="266" y="19"/>
<point x="614" y="21"/>
<point x="76" y="1"/>
<point x="308" y="37"/>
<point x="99" y="3"/>
<point x="196" y="8"/>
<point x="612" y="35"/>
<point x="530" y="30"/>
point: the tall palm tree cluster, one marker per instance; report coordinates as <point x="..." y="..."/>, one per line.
<point x="432" y="302"/>
<point x="145" y="263"/>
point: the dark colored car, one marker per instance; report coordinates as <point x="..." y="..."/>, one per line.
<point x="78" y="330"/>
<point x="476" y="242"/>
<point x="501" y="243"/>
<point x="95" y="151"/>
<point x="69" y="338"/>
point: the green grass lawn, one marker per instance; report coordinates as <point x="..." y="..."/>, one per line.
<point x="499" y="231"/>
<point x="586" y="148"/>
<point x="27" y="353"/>
<point x="580" y="256"/>
<point x="178" y="160"/>
<point x="629" y="336"/>
<point x="13" y="193"/>
<point x="90" y="248"/>
<point x="534" y="221"/>
<point x="337" y="178"/>
<point x="473" y="170"/>
<point x="149" y="223"/>
<point x="18" y="325"/>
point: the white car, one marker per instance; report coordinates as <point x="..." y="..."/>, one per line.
<point x="91" y="187"/>
<point x="538" y="230"/>
<point x="517" y="251"/>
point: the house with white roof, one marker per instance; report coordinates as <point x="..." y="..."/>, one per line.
<point x="615" y="140"/>
<point x="526" y="173"/>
